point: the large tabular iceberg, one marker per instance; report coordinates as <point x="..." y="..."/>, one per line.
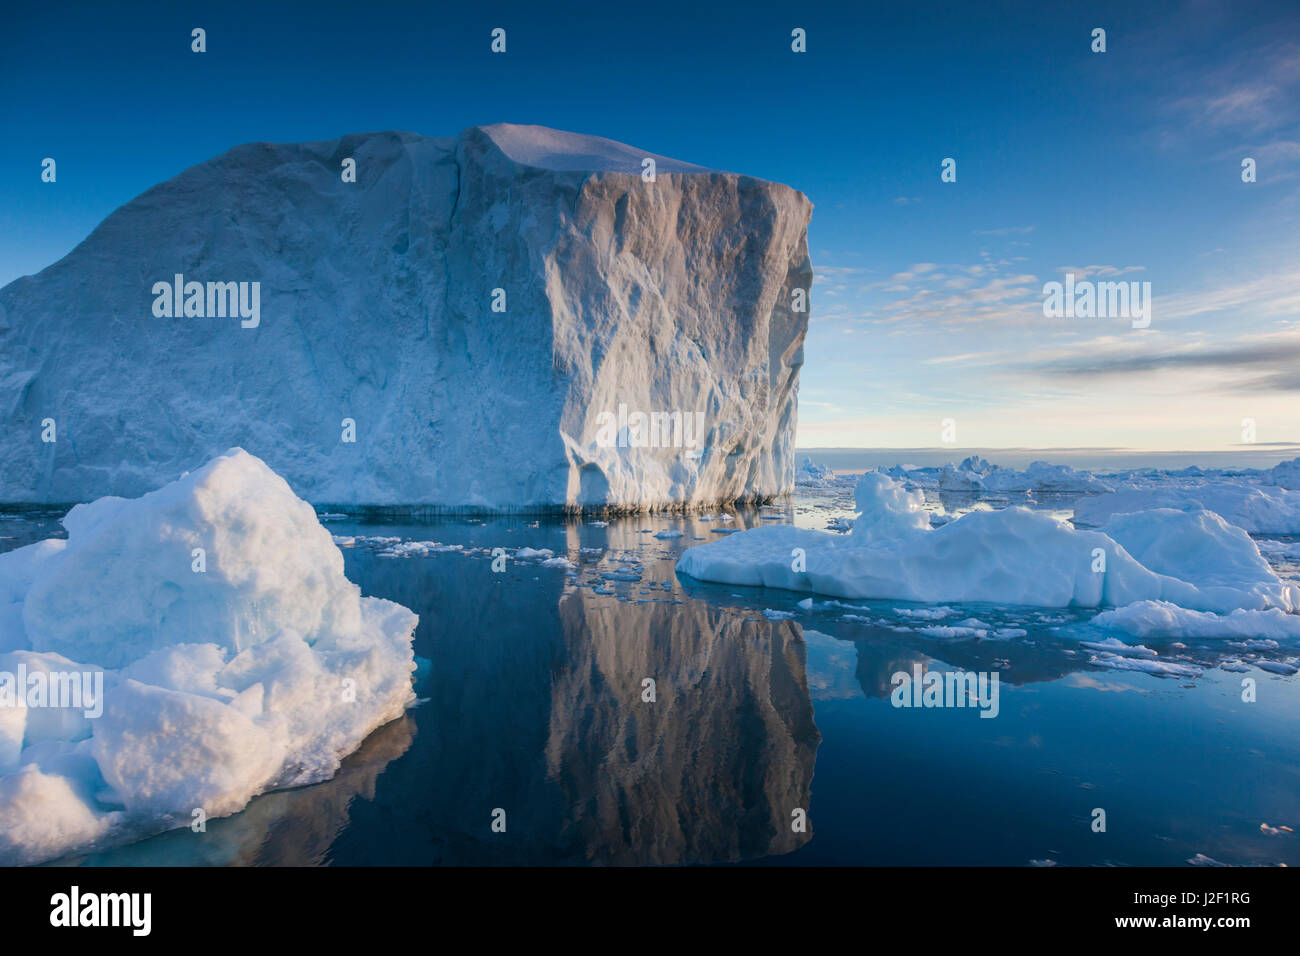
<point x="1193" y="559"/>
<point x="234" y="657"/>
<point x="517" y="319"/>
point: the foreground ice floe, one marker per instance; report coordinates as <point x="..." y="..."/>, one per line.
<point x="235" y="656"/>
<point x="1192" y="559"/>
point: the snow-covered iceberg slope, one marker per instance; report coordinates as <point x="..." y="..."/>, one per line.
<point x="235" y="657"/>
<point x="493" y="311"/>
<point x="1193" y="559"/>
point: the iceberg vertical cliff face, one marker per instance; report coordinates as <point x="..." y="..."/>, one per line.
<point x="514" y="320"/>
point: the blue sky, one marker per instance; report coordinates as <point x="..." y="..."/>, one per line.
<point x="928" y="305"/>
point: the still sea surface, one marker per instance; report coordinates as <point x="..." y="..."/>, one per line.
<point x="531" y="701"/>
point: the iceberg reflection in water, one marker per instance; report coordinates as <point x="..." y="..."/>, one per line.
<point x="531" y="703"/>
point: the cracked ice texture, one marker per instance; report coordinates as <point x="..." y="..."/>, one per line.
<point x="376" y="300"/>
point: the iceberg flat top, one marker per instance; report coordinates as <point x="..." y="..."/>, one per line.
<point x="558" y="150"/>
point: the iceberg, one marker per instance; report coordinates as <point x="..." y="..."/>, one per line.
<point x="1014" y="556"/>
<point x="976" y="475"/>
<point x="231" y="657"/>
<point x="811" y="474"/>
<point x="1257" y="510"/>
<point x="516" y="319"/>
<point x="1162" y="620"/>
<point x="1285" y="474"/>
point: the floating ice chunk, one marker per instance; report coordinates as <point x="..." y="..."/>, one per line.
<point x="1285" y="668"/>
<point x="1012" y="556"/>
<point x="1114" y="645"/>
<point x="669" y="534"/>
<point x="774" y="615"/>
<point x="128" y="580"/>
<point x="406" y="549"/>
<point x="953" y="632"/>
<point x="244" y="666"/>
<point x="532" y="554"/>
<point x="1156" y="667"/>
<point x="1160" y="620"/>
<point x="808" y="474"/>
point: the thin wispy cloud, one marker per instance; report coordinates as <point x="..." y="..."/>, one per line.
<point x="1099" y="272"/>
<point x="1007" y="231"/>
<point x="1263" y="363"/>
<point x="1252" y="94"/>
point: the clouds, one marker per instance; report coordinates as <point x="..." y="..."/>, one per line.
<point x="1248" y="95"/>
<point x="1249" y="106"/>
<point x="926" y="295"/>
<point x="1271" y="293"/>
<point x="1260" y="363"/>
<point x="1098" y="272"/>
<point x="1005" y="231"/>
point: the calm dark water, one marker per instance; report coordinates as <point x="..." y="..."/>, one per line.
<point x="531" y="703"/>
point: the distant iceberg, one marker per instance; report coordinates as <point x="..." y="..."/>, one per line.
<point x="976" y="475"/>
<point x="810" y="474"/>
<point x="232" y="657"/>
<point x="1258" y="510"/>
<point x="1193" y="559"/>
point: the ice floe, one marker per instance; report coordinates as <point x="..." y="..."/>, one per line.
<point x="235" y="658"/>
<point x="1193" y="559"/>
